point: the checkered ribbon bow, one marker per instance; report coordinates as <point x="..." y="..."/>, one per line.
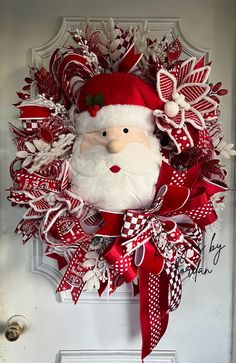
<point x="149" y="239"/>
<point x="175" y="242"/>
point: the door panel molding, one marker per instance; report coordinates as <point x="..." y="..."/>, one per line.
<point x="46" y="267"/>
<point x="114" y="356"/>
<point x="38" y="57"/>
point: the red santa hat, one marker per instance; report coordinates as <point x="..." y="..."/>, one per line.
<point x="116" y="100"/>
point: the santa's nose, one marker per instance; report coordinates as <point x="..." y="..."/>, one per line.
<point x="114" y="146"/>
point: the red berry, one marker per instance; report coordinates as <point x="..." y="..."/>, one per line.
<point x="93" y="110"/>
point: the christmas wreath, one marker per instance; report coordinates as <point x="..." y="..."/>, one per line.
<point x="118" y="165"/>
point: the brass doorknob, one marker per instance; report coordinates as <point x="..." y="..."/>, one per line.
<point x="16" y="325"/>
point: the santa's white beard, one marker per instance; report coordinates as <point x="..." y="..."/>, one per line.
<point x="130" y="188"/>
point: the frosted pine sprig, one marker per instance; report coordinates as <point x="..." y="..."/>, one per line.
<point x="40" y="153"/>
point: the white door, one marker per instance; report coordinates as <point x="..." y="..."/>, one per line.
<point x="96" y="330"/>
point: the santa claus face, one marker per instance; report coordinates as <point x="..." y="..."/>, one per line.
<point x="116" y="168"/>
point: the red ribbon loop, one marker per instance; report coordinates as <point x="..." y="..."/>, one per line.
<point x="121" y="263"/>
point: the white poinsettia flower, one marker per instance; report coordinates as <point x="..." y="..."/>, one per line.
<point x="89" y="286"/>
<point x="40" y="144"/>
<point x="184" y="91"/>
<point x="88" y="275"/>
<point x="89" y="263"/>
<point x="92" y="283"/>
<point x="92" y="254"/>
<point x="28" y="160"/>
<point x="30" y="146"/>
<point x="33" y="148"/>
<point x="226" y="150"/>
<point x="22" y="154"/>
<point x="49" y="152"/>
<point x="97" y="271"/>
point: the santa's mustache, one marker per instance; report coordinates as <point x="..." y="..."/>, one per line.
<point x="134" y="159"/>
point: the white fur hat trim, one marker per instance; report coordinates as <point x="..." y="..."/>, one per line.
<point x="115" y="116"/>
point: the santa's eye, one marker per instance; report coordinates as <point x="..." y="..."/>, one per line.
<point x="104" y="133"/>
<point x="126" y="131"/>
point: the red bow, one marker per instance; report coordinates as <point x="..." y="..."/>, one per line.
<point x="156" y="241"/>
<point x="151" y="242"/>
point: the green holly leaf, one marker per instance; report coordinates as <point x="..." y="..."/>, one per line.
<point x="98" y="100"/>
<point x="90" y="101"/>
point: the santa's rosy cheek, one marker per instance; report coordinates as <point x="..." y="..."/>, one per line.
<point x="89" y="141"/>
